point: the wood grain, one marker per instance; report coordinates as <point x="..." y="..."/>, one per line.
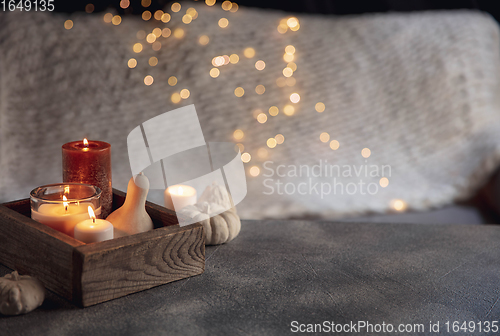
<point x="130" y="264"/>
<point x="92" y="273"/>
<point x="35" y="249"/>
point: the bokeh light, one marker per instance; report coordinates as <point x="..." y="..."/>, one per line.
<point x="290" y="49"/>
<point x="260" y="89"/>
<point x="260" y="65"/>
<point x="223" y="22"/>
<point x="185" y="93"/>
<point x="334" y="144"/>
<point x="234" y="59"/>
<point x="254" y="171"/>
<point x="238" y="134"/>
<point x="273" y="111"/>
<point x="214" y="72"/>
<point x="203" y="40"/>
<point x="262" y="153"/>
<point x="137" y="47"/>
<point x="153" y="61"/>
<point x="146" y="15"/>
<point x="176" y="98"/>
<point x="68" y="24"/>
<point x="165" y="18"/>
<point x="179" y="33"/>
<point x="172" y="80"/>
<point x="262" y="118"/>
<point x="148" y="80"/>
<point x="166" y="32"/>
<point x="287" y="72"/>
<point x="176" y="7"/>
<point x="271" y="142"/>
<point x="324" y="137"/>
<point x="279" y="139"/>
<point x="384" y="182"/>
<point x="132" y="63"/>
<point x="288" y="110"/>
<point x="246" y="157"/>
<point x="249" y="52"/>
<point x="295" y="98"/>
<point x="366" y="152"/>
<point x="239" y="92"/>
<point x="319" y="107"/>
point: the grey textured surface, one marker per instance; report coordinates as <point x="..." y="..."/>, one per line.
<point x="277" y="272"/>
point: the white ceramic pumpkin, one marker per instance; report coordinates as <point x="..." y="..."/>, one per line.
<point x="218" y="194"/>
<point x="20" y="294"/>
<point x="219" y="226"/>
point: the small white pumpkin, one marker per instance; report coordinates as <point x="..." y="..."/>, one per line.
<point x="219" y="226"/>
<point x="20" y="294"/>
<point x="218" y="194"/>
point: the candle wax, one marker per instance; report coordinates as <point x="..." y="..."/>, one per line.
<point x="90" y="164"/>
<point x="60" y="219"/>
<point x="179" y="196"/>
<point x="92" y="231"/>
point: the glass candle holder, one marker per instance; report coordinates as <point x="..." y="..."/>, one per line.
<point x="62" y="206"/>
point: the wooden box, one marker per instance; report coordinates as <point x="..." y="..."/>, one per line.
<point x="87" y="274"/>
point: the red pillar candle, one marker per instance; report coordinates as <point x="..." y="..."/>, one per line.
<point x="90" y="162"/>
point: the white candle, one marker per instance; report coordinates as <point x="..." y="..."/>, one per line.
<point x="61" y="216"/>
<point x="93" y="230"/>
<point x="179" y="196"/>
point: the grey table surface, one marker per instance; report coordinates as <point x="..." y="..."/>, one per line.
<point x="277" y="272"/>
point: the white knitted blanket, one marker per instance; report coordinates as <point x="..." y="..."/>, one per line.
<point x="419" y="90"/>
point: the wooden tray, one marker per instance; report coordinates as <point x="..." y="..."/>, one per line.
<point x="87" y="274"/>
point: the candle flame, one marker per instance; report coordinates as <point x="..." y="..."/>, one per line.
<point x="86" y="144"/>
<point x="180" y="191"/>
<point x="65" y="203"/>
<point x="91" y="213"/>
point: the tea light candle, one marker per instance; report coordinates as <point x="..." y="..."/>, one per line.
<point x="179" y="196"/>
<point x="62" y="217"/>
<point x="62" y="206"/>
<point x="93" y="230"/>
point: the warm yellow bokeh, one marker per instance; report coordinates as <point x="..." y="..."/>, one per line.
<point x="172" y="80"/>
<point x="239" y="92"/>
<point x="279" y="139"/>
<point x="273" y="111"/>
<point x="223" y="22"/>
<point x="320" y="107"/>
<point x="148" y="80"/>
<point x="238" y="134"/>
<point x="203" y="40"/>
<point x="132" y="63"/>
<point x="68" y="24"/>
<point x="288" y="110"/>
<point x="262" y="118"/>
<point x="366" y="152"/>
<point x="324" y="137"/>
<point x="334" y="144"/>
<point x="214" y="72"/>
<point x="249" y="52"/>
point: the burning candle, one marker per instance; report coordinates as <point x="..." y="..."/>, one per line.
<point x="93" y="230"/>
<point x="62" y="206"/>
<point x="179" y="196"/>
<point x="90" y="162"/>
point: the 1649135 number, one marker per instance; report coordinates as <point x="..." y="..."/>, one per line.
<point x="472" y="326"/>
<point x="27" y="5"/>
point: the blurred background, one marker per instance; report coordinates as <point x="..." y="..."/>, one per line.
<point x="338" y="7"/>
<point x="408" y="84"/>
